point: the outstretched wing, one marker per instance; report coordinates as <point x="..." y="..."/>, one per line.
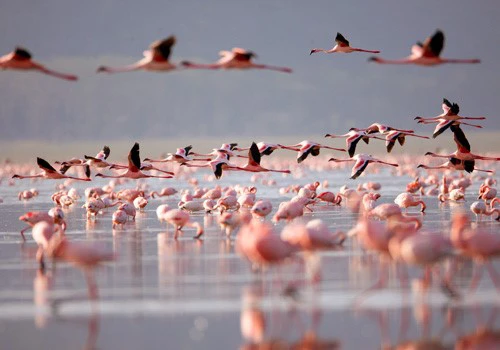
<point x="134" y="161"/>
<point x="434" y="44"/>
<point x="187" y="149"/>
<point x="22" y="53"/>
<point x="44" y="165"/>
<point x="162" y="48"/>
<point x="459" y="138"/>
<point x="341" y="41"/>
<point x="254" y="154"/>
<point x="446" y="105"/>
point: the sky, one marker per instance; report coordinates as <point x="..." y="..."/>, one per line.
<point x="324" y="94"/>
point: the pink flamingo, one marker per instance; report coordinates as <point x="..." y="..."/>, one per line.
<point x="361" y="162"/>
<point x="42" y="233"/>
<point x="98" y="161"/>
<point x="218" y="164"/>
<point x="450" y="113"/>
<point x="48" y="172"/>
<point x="480" y="208"/>
<point x="314" y="235"/>
<point x="342" y="47"/>
<point x="237" y="58"/>
<point x="306" y="148"/>
<point x="405" y="200"/>
<point x="352" y="139"/>
<point x="426" y="53"/>
<point x="155" y="59"/>
<point x="262" y="208"/>
<point x="400" y="136"/>
<point x="253" y="164"/>
<point x="477" y="244"/>
<point x="381" y="128"/>
<point x="84" y="255"/>
<point x="33" y="217"/>
<point x="134" y="167"/>
<point x="456" y="164"/>
<point x="21" y="59"/>
<point x="179" y="218"/>
<point x="181" y="155"/>
<point x="330" y="197"/>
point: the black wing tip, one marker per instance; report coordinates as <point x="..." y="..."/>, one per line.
<point x="447" y="102"/>
<point x="21" y="51"/>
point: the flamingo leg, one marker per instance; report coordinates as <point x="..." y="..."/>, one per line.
<point x="494" y="275"/>
<point x="92" y="286"/>
<point x="476" y="277"/>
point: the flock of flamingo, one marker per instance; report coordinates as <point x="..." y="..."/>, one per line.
<point x="384" y="229"/>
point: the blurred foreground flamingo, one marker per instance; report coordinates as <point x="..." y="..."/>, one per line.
<point x="342" y="47"/>
<point x="21" y="59"/>
<point x="426" y="53"/>
<point x="84" y="255"/>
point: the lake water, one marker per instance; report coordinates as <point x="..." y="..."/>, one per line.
<point x="197" y="294"/>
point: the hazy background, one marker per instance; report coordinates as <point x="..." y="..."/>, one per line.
<point x="325" y="93"/>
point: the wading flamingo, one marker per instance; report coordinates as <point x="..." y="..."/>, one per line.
<point x="237" y="58"/>
<point x="21" y="59"/>
<point x="426" y="53"/>
<point x="342" y="46"/>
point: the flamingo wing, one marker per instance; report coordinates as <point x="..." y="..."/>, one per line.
<point x="358" y="168"/>
<point x="446" y="106"/>
<point x="134" y="161"/>
<point x="254" y="155"/>
<point x="459" y="137"/>
<point x="242" y="54"/>
<point x="351" y="146"/>
<point x="21" y="53"/>
<point x="341" y="41"/>
<point x="441" y="127"/>
<point x="217" y="168"/>
<point x="162" y="48"/>
<point x="44" y="165"/>
<point x="187" y="149"/>
<point x="433" y="45"/>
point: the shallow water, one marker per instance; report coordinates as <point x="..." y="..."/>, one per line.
<point x="196" y="294"/>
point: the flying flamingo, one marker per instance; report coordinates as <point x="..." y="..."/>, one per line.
<point x="237" y="58"/>
<point x="20" y="59"/>
<point x="218" y="164"/>
<point x="394" y="135"/>
<point x="134" y="167"/>
<point x="381" y="128"/>
<point x="362" y="161"/>
<point x="98" y="161"/>
<point x="48" y="172"/>
<point x="181" y="155"/>
<point x="265" y="149"/>
<point x="155" y="59"/>
<point x="456" y="164"/>
<point x="253" y="164"/>
<point x="462" y="158"/>
<point x="352" y="139"/>
<point x="426" y="53"/>
<point x="308" y="147"/>
<point x="443" y="124"/>
<point x="450" y="112"/>
<point x="342" y="47"/>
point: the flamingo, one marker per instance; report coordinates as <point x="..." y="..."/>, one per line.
<point x="308" y="147"/>
<point x="450" y="113"/>
<point x="181" y="155"/>
<point x="48" y="172"/>
<point x="400" y="136"/>
<point x="237" y="58"/>
<point x="381" y="128"/>
<point x="84" y="255"/>
<point x="352" y="139"/>
<point x="21" y="59"/>
<point x="265" y="149"/>
<point x="361" y="162"/>
<point x="342" y="47"/>
<point x="480" y="208"/>
<point x="262" y="208"/>
<point x="218" y="164"/>
<point x="134" y="167"/>
<point x="456" y="164"/>
<point x="98" y="161"/>
<point x="426" y="53"/>
<point x="155" y="59"/>
<point x="179" y="218"/>
<point x="253" y="164"/>
<point x="53" y="216"/>
<point x="477" y="244"/>
<point x="405" y="200"/>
